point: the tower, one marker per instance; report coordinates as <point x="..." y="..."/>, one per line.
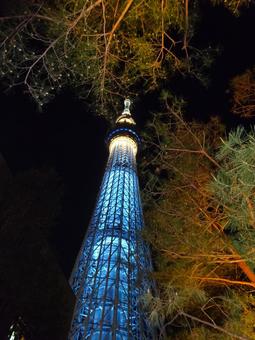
<point x="108" y="277"/>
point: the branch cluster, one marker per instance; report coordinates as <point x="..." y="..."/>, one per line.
<point x="102" y="48"/>
<point x="205" y="275"/>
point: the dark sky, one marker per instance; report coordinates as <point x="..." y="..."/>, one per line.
<point x="67" y="137"/>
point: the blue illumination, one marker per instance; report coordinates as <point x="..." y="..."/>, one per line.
<point x="109" y="275"/>
<point x="122" y="131"/>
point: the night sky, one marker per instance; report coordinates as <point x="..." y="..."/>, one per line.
<point x="68" y="137"/>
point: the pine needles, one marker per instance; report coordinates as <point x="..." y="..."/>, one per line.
<point x="204" y="270"/>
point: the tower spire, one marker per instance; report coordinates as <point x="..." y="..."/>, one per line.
<point x="127" y="104"/>
<point x="125" y="118"/>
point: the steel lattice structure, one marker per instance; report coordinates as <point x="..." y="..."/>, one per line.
<point x="108" y="278"/>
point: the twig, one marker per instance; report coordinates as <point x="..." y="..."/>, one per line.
<point x="107" y="47"/>
<point x="227" y="281"/>
<point x="185" y="40"/>
<point x="40" y="57"/>
<point x="214" y="326"/>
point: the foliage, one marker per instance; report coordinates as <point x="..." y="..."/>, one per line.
<point x="104" y="49"/>
<point x="233" y="5"/>
<point x="243" y="94"/>
<point x="203" y="288"/>
<point x="234" y="188"/>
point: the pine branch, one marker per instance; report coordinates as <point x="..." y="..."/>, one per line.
<point x="225" y="281"/>
<point x="212" y="325"/>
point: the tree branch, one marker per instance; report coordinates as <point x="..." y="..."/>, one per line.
<point x="218" y="328"/>
<point x="107" y="46"/>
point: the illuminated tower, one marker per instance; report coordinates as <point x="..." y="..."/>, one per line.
<point x="109" y="275"/>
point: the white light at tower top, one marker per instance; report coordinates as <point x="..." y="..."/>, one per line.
<point x="123" y="142"/>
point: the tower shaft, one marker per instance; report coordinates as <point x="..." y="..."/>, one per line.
<point x="107" y="278"/>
